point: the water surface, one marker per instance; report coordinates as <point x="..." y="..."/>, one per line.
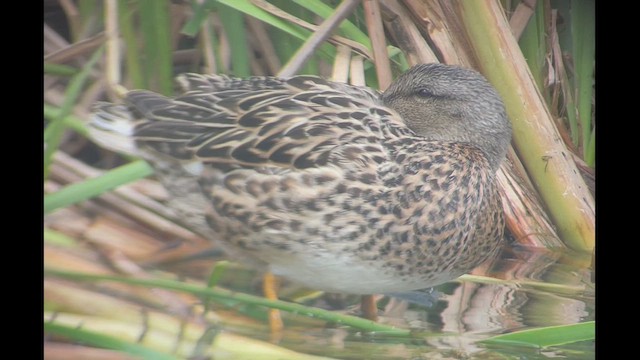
<point x="521" y="290"/>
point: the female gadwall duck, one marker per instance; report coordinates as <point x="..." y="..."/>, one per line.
<point x="337" y="187"/>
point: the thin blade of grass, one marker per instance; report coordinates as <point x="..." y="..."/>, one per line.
<point x="150" y="340"/>
<point x="346" y="27"/>
<point x="590" y="153"/>
<point x="85" y="190"/>
<point x="547" y="336"/>
<point x="71" y="121"/>
<point x="325" y="50"/>
<point x="250" y="9"/>
<point x="214" y="278"/>
<point x="90" y="12"/>
<point x="358" y="323"/>
<point x="59" y="69"/>
<point x="292" y="17"/>
<point x="200" y="12"/>
<point x="57" y="238"/>
<point x="317" y="38"/>
<point x="75" y="50"/>
<point x="217" y="272"/>
<point x="101" y="340"/>
<point x="53" y="132"/>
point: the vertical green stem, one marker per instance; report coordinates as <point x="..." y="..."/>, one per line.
<point x="132" y="53"/>
<point x="584" y="47"/>
<point x="156" y="27"/>
<point x="233" y="23"/>
<point x="55" y="129"/>
<point x="533" y="45"/>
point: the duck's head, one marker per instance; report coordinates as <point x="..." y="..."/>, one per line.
<point x="450" y="103"/>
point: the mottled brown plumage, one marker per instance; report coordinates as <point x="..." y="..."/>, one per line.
<point x="337" y="187"/>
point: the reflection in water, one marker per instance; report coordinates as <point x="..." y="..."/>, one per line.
<point x="523" y="289"/>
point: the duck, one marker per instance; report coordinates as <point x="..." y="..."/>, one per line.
<point x="337" y="187"/>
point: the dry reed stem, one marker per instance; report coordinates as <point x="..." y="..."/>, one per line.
<point x="72" y="15"/>
<point x="89" y="96"/>
<point x="53" y="95"/>
<point x="556" y="77"/>
<point x="356" y="71"/>
<point x="429" y="17"/>
<point x="76" y="50"/>
<point x="152" y="243"/>
<point x="520" y="17"/>
<point x="558" y="80"/>
<point x="123" y="199"/>
<point x="306" y="51"/>
<point x="112" y="254"/>
<point x="179" y="13"/>
<point x="206" y="41"/>
<point x="461" y="44"/>
<point x="340" y="71"/>
<point x="136" y="317"/>
<point x="333" y="39"/>
<point x="264" y="44"/>
<point x="224" y="49"/>
<point x="97" y="310"/>
<point x="588" y="173"/>
<point x="61" y="351"/>
<point x="112" y="55"/>
<point x="181" y="338"/>
<point x="525" y="217"/>
<point x="174" y="303"/>
<point x="255" y="64"/>
<point x="53" y="42"/>
<point x="378" y="43"/>
<point x="405" y="33"/>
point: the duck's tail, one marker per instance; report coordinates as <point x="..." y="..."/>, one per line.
<point x="111" y="126"/>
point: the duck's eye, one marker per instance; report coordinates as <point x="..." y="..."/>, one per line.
<point x="425" y="93"/>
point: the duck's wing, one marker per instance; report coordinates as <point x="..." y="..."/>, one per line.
<point x="300" y="122"/>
